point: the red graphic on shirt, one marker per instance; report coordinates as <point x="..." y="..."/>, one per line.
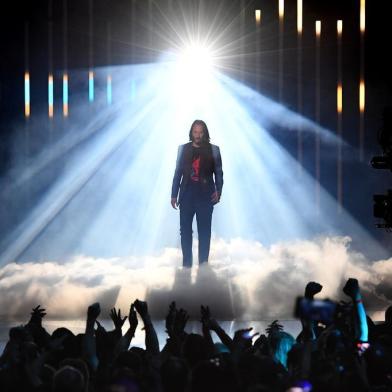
<point x="195" y="169"/>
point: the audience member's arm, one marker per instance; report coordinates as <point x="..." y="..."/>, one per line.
<point x="175" y="323"/>
<point x="89" y="346"/>
<point x="308" y="326"/>
<point x="38" y="332"/>
<point x="205" y="316"/>
<point x="124" y="343"/>
<point x="351" y="289"/>
<point x="152" y="344"/>
<point x="118" y="321"/>
<point x="213" y="325"/>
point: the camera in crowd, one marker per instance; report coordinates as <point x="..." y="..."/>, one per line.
<point x="315" y="310"/>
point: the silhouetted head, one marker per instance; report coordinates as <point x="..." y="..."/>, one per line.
<point x="195" y="349"/>
<point x="212" y="376"/>
<point x="130" y="360"/>
<point x="281" y="343"/>
<point x="20" y="334"/>
<point x="174" y="375"/>
<point x="78" y="364"/>
<point x="124" y="380"/>
<point x="199" y="133"/>
<point x="68" y="379"/>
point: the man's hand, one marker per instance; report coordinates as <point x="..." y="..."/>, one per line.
<point x="37" y="315"/>
<point x="132" y="318"/>
<point x="93" y="312"/>
<point x="351" y="288"/>
<point x="141" y="308"/>
<point x="174" y="202"/>
<point x="243" y="338"/>
<point x="215" y="197"/>
<point x="312" y="288"/>
<point x="170" y="319"/>
<point x="118" y="321"/>
<point x="205" y="313"/>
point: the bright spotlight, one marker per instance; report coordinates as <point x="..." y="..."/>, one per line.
<point x="193" y="72"/>
<point x="196" y="61"/>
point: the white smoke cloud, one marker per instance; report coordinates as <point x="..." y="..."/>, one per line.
<point x="244" y="280"/>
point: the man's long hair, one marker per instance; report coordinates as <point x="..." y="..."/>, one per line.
<point x="206" y="136"/>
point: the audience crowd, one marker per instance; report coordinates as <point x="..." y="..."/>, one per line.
<point x="338" y="349"/>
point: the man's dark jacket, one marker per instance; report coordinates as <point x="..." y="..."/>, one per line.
<point x="210" y="163"/>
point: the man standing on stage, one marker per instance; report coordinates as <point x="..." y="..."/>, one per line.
<point x="197" y="161"/>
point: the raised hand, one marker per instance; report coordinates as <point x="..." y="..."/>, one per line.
<point x="170" y="319"/>
<point x="351" y="288"/>
<point x="37" y="314"/>
<point x="312" y="288"/>
<point x="205" y="313"/>
<point x="118" y="321"/>
<point x="141" y="308"/>
<point x="100" y="329"/>
<point x="245" y="334"/>
<point x="132" y="318"/>
<point x="243" y="339"/>
<point x="180" y="321"/>
<point x="93" y="311"/>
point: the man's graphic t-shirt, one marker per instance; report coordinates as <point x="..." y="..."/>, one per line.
<point x="195" y="173"/>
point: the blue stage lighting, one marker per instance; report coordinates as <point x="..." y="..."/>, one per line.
<point x="65" y="95"/>
<point x="91" y="86"/>
<point x="50" y="95"/>
<point x="27" y="93"/>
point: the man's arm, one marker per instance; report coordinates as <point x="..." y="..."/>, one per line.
<point x="218" y="172"/>
<point x="177" y="177"/>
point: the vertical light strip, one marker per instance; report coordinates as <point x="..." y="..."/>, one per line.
<point x="362" y="26"/>
<point x="65" y="95"/>
<point x="258" y="17"/>
<point x="281" y="9"/>
<point x="50" y="63"/>
<point x="281" y="52"/>
<point x="242" y="38"/>
<point x="362" y="17"/>
<point x="27" y="94"/>
<point x="318" y="28"/>
<point x="299" y="84"/>
<point x="91" y="86"/>
<point x="65" y="59"/>
<point x="27" y="110"/>
<point x="339" y="27"/>
<point x="91" y="52"/>
<point x="109" y="97"/>
<point x="317" y="114"/>
<point x="339" y="99"/>
<point x="362" y="96"/>
<point x="257" y="49"/>
<point x="339" y="109"/>
<point x="50" y="95"/>
<point x="299" y="16"/>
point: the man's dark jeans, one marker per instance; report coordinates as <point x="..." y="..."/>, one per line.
<point x="199" y="203"/>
